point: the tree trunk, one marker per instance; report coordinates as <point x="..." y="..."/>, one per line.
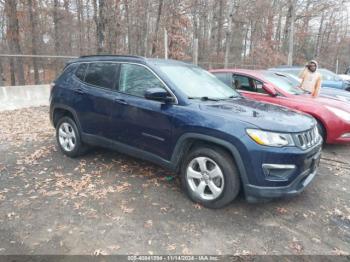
<point x="34" y="37"/>
<point x="101" y="27"/>
<point x="13" y="38"/>
<point x="56" y="27"/>
<point x="279" y="28"/>
<point x="126" y="4"/>
<point x="291" y="34"/>
<point x="145" y="31"/>
<point x="1" y="75"/>
<point x="88" y="45"/>
<point x="287" y="26"/>
<point x="245" y="44"/>
<point x="317" y="46"/>
<point x="12" y="71"/>
<point x="68" y="21"/>
<point x="228" y="34"/>
<point x="155" y="38"/>
<point x="80" y="24"/>
<point x="220" y="25"/>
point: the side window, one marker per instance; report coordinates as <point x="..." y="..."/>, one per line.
<point x="248" y="84"/>
<point x="135" y="80"/>
<point x="223" y="77"/>
<point x="241" y="83"/>
<point x="102" y="74"/>
<point x="80" y="72"/>
<point x="259" y="87"/>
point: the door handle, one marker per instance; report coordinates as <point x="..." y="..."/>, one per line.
<point x="79" y="91"/>
<point x="120" y="101"/>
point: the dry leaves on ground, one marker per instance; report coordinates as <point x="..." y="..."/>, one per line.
<point x="25" y="125"/>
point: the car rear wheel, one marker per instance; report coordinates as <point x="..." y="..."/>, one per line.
<point x="210" y="177"/>
<point x="68" y="137"/>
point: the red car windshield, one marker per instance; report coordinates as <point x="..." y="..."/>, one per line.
<point x="288" y="84"/>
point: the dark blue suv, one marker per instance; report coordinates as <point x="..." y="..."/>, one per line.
<point x="181" y="117"/>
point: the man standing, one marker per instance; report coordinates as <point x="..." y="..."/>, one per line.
<point x="311" y="79"/>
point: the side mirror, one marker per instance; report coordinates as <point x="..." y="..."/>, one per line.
<point x="270" y="89"/>
<point x="158" y="94"/>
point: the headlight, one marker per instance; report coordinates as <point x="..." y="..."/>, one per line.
<point x="267" y="138"/>
<point x="340" y="113"/>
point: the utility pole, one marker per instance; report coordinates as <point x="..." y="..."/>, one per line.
<point x="195" y="51"/>
<point x="165" y="44"/>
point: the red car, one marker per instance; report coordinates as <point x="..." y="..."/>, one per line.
<point x="333" y="116"/>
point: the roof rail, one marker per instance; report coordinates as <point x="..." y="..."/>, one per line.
<point x="128" y="56"/>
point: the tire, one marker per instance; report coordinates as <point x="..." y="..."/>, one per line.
<point x="322" y="131"/>
<point x="197" y="168"/>
<point x="68" y="138"/>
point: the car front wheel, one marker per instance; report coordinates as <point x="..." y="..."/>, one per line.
<point x="209" y="177"/>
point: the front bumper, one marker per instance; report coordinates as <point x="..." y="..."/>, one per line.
<point x="298" y="185"/>
<point x="297" y="179"/>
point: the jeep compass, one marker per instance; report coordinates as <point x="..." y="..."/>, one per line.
<point x="183" y="118"/>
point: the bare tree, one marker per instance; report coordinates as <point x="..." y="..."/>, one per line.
<point x="13" y="40"/>
<point x="155" y="38"/>
<point x="34" y="37"/>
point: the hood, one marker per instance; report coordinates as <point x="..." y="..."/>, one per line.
<point x="263" y="115"/>
<point x="325" y="101"/>
<point x="335" y="94"/>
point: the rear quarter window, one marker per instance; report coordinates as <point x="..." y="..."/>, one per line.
<point x="102" y="75"/>
<point x="67" y="72"/>
<point x="80" y="72"/>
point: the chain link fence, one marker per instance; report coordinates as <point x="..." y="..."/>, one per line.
<point x="33" y="69"/>
<point x="48" y="67"/>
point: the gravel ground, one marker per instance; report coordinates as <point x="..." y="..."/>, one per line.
<point x="108" y="203"/>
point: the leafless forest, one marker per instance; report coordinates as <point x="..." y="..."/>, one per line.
<point x="231" y="33"/>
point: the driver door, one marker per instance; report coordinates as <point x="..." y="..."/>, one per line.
<point x="147" y="124"/>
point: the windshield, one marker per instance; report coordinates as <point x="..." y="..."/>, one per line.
<point x="325" y="73"/>
<point x="196" y="82"/>
<point x="288" y="84"/>
<point x="329" y="75"/>
<point x="293" y="71"/>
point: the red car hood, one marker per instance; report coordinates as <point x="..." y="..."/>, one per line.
<point x="324" y="101"/>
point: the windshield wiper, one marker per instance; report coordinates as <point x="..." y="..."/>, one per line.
<point x="203" y="98"/>
<point x="230" y="97"/>
<point x="206" y="98"/>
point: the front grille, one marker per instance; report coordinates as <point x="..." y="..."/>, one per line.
<point x="308" y="139"/>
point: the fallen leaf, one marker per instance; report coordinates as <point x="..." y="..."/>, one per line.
<point x="126" y="209"/>
<point x="281" y="210"/>
<point x="148" y="224"/>
<point x="197" y="206"/>
<point x="296" y="246"/>
<point x="171" y="247"/>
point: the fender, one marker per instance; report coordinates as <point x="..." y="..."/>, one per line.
<point x="180" y="146"/>
<point x="70" y="110"/>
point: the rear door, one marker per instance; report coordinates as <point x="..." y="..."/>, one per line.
<point x="95" y="98"/>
